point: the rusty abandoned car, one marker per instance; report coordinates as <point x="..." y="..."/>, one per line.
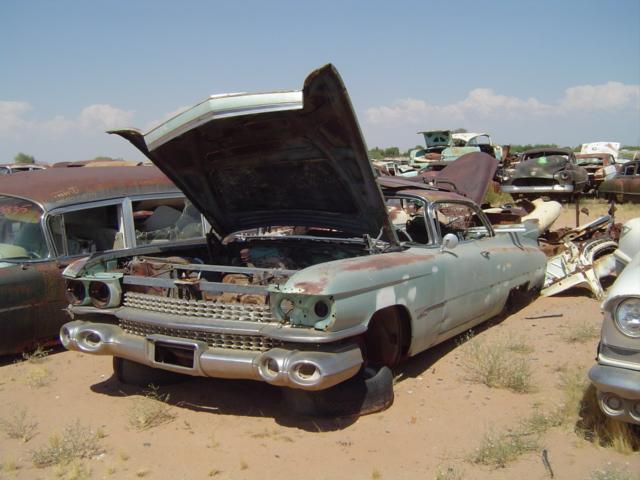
<point x="624" y="186"/>
<point x="305" y="280"/>
<point x="546" y="171"/>
<point x="51" y="217"/>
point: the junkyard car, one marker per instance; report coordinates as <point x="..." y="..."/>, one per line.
<point x="616" y="376"/>
<point x="443" y="147"/>
<point x="546" y="171"/>
<point x="625" y="186"/>
<point x="335" y="285"/>
<point x="599" y="166"/>
<point x="20" y="167"/>
<point x="49" y="218"/>
<point x="393" y="169"/>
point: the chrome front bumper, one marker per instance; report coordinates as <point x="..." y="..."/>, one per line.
<point x="534" y="189"/>
<point x="307" y="370"/>
<point x="618" y="392"/>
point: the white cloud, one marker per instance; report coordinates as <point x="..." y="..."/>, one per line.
<point x="96" y="118"/>
<point x="610" y="96"/>
<point x="104" y="117"/>
<point x="485" y="103"/>
<point x="11" y="116"/>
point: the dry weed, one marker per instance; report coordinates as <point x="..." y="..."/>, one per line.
<point x="75" y="442"/>
<point x="150" y="410"/>
<point x="581" y="333"/>
<point x="494" y="365"/>
<point x="74" y="470"/>
<point x="519" y="344"/>
<point x="9" y="467"/>
<point x="497" y="450"/>
<point x="20" y="426"/>
<point x="612" y="472"/>
<point x="450" y="472"/>
<point x="38" y="376"/>
<point x="39" y="355"/>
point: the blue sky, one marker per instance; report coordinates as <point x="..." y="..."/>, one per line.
<point x="527" y="72"/>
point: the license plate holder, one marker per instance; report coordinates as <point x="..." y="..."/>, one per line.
<point x="174" y="353"/>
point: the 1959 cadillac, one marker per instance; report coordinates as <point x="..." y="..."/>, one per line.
<point x="312" y="270"/>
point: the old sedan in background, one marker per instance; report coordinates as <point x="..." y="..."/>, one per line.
<point x="546" y="171"/>
<point x="328" y="284"/>
<point x="625" y="186"/>
<point x="51" y="217"/>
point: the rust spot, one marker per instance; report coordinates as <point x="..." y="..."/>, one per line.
<point x="390" y="260"/>
<point x="312" y="288"/>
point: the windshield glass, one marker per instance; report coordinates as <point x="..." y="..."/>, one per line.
<point x="21" y="234"/>
<point x="589" y="161"/>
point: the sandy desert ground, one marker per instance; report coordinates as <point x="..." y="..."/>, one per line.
<point x="69" y="403"/>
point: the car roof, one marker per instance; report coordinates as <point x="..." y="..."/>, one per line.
<point x="60" y="187"/>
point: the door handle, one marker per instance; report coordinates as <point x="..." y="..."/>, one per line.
<point x="485" y="253"/>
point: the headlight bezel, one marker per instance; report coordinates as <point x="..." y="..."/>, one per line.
<point x="625" y="308"/>
<point x="110" y="283"/>
<point x="303" y="310"/>
<point x="76" y="292"/>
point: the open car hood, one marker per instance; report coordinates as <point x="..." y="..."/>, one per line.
<point x="468" y="175"/>
<point x="437" y="138"/>
<point x="286" y="158"/>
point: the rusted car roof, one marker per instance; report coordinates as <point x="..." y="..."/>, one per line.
<point x="59" y="187"/>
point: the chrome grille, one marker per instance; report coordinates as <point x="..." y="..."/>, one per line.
<point x="217" y="340"/>
<point x="199" y="308"/>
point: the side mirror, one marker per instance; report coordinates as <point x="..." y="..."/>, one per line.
<point x="449" y="242"/>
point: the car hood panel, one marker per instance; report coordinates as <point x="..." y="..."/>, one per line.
<point x="289" y="158"/>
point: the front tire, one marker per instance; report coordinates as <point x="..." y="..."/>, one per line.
<point x="370" y="391"/>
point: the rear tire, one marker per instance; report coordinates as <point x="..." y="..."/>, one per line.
<point x="132" y="373"/>
<point x="371" y="390"/>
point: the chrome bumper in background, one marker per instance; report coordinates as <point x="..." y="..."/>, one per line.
<point x="534" y="189"/>
<point x="618" y="392"/>
<point x="307" y="370"/>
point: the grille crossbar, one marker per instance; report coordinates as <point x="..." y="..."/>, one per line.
<point x="216" y="340"/>
<point x="199" y="308"/>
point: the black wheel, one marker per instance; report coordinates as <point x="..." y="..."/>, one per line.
<point x="371" y="390"/>
<point x="132" y="373"/>
<point x="385" y="339"/>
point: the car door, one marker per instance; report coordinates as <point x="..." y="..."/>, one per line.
<point x="468" y="269"/>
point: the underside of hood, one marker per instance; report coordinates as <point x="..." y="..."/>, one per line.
<point x="285" y="158"/>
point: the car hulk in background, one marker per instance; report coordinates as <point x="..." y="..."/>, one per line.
<point x="52" y="217"/>
<point x="314" y="277"/>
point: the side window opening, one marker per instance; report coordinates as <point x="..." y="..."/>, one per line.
<point x="167" y="219"/>
<point x="460" y="220"/>
<point x="408" y="218"/>
<point x="87" y="231"/>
